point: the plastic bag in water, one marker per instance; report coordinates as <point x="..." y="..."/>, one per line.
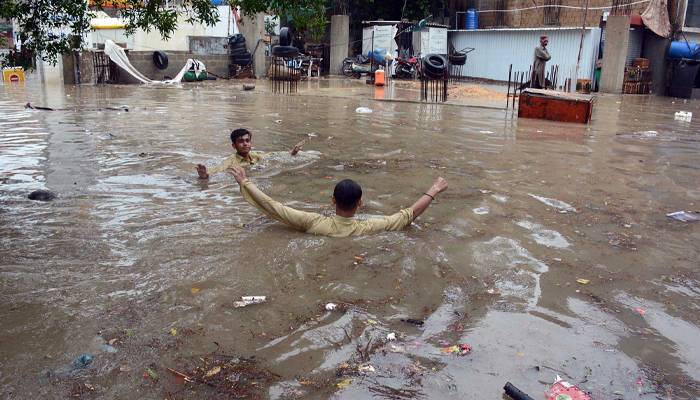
<point x="685" y="216"/>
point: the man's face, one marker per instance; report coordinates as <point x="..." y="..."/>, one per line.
<point x="544" y="41"/>
<point x="242" y="145"/>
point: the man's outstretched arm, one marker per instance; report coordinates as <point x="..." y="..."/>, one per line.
<point x="300" y="220"/>
<point x="426" y="198"/>
<point x="403" y="218"/>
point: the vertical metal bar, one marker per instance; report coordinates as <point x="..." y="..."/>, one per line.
<point x="515" y="91"/>
<point x="510" y="70"/>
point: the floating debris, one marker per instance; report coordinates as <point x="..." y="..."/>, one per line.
<point x="82" y="361"/>
<point x="363" y="110"/>
<point x="461" y="350"/>
<point x="481" y="210"/>
<point x="228" y="375"/>
<point x="412" y="321"/>
<point x="685" y="116"/>
<point x="562" y="206"/>
<point x="685" y="216"/>
<point x="42" y="195"/>
<point x="249" y="300"/>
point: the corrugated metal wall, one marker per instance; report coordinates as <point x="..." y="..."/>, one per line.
<point x="496" y="49"/>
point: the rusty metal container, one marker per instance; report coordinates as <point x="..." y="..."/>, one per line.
<point x="555" y="106"/>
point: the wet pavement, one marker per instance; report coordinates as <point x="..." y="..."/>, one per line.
<point x="138" y="263"/>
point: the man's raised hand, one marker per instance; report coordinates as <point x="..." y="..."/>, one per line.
<point x="238" y="173"/>
<point x="439" y="185"/>
<point x="202" y="171"/>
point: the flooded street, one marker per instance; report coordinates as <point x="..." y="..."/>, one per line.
<point x="137" y="249"/>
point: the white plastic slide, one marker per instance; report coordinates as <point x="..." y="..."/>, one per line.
<point x="118" y="56"/>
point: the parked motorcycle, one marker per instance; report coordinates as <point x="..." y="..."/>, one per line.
<point x="406" y="68"/>
<point x="354" y="67"/>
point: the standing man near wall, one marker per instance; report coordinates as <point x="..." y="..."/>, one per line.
<point x="541" y="57"/>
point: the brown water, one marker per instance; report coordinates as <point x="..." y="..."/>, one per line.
<point x="490" y="263"/>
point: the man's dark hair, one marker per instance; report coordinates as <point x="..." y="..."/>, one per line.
<point x="347" y="194"/>
<point x="238" y="133"/>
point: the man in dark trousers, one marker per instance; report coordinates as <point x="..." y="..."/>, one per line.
<point x="541" y="58"/>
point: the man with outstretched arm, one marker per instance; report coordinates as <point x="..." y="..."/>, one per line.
<point x="241" y="141"/>
<point x="347" y="198"/>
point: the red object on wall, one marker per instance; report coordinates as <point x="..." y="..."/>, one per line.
<point x="636" y="20"/>
<point x="555" y="106"/>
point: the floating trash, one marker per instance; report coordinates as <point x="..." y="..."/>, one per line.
<point x="481" y="210"/>
<point x="685" y="216"/>
<point x="249" y="300"/>
<point x="563" y="207"/>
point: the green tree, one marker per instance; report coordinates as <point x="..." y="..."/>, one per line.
<point x="49" y="28"/>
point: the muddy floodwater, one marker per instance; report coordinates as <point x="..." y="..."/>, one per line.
<point x="550" y="254"/>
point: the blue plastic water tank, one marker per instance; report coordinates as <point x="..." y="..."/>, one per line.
<point x="472" y="21"/>
<point x="683" y="49"/>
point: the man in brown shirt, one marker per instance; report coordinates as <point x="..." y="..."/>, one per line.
<point x="347" y="198"/>
<point x="241" y="141"/>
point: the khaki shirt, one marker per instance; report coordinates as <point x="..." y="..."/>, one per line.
<point x="236" y="159"/>
<point x="318" y="224"/>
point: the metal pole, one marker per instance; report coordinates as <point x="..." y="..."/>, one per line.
<point x="580" y="45"/>
<point x="510" y="69"/>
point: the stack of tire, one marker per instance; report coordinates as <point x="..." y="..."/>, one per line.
<point x="434" y="66"/>
<point x="457" y="58"/>
<point x="285" y="48"/>
<point x="238" y="52"/>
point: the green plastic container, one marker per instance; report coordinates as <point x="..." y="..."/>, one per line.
<point x="190" y="76"/>
<point x="202" y="76"/>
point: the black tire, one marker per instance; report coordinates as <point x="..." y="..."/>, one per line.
<point x="434" y="64"/>
<point x="457" y="59"/>
<point x="238" y="52"/>
<point x="242" y="59"/>
<point x="285" y="51"/>
<point x="285" y="36"/>
<point x="236" y="39"/>
<point x="346" y="68"/>
<point x="160" y="59"/>
<point x="237" y="46"/>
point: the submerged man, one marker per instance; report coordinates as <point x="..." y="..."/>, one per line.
<point x="541" y="57"/>
<point x="241" y="141"/>
<point x="347" y="198"/>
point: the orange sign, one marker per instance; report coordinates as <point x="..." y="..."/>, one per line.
<point x="13" y="74"/>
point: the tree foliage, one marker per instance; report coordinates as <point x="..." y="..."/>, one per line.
<point x="48" y="27"/>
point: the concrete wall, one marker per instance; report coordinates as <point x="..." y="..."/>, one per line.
<point x="536" y="17"/>
<point x="253" y="29"/>
<point x="143" y="41"/>
<point x="340" y="39"/>
<point x="617" y="34"/>
<point x="208" y="45"/>
<point x="143" y="62"/>
<point x="654" y="49"/>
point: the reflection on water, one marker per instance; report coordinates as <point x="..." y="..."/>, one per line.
<point x="136" y="243"/>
